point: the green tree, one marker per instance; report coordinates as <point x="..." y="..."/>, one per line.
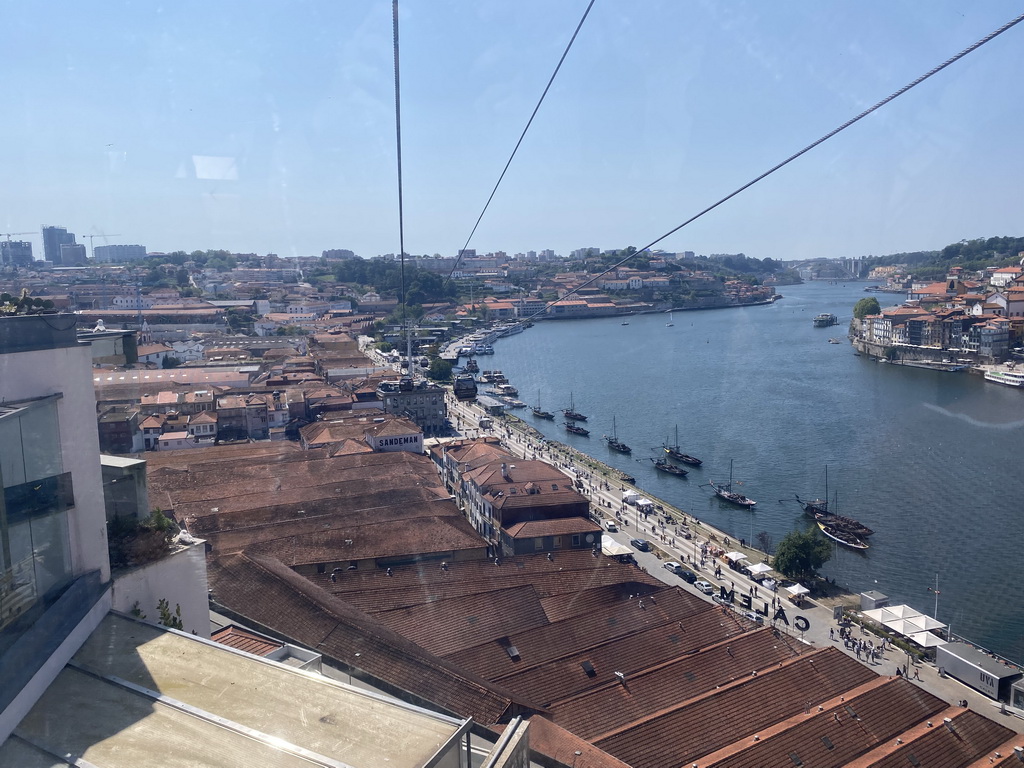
<point x="866" y="306"/>
<point x="440" y="370"/>
<point x="801" y="553"/>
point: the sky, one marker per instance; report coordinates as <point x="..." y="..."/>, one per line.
<point x="269" y="127"/>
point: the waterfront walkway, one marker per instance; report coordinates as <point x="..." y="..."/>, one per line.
<point x="666" y="528"/>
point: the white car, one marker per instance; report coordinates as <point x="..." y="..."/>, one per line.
<point x="673" y="566"/>
<point x="704" y="587"/>
<point x="610" y="526"/>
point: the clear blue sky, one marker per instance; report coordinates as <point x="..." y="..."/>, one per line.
<point x="269" y="126"/>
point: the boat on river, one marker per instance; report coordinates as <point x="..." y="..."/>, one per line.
<point x="542" y="414"/>
<point x="614" y="443"/>
<point x="825" y="319"/>
<point x="576" y="429"/>
<point x="571" y="413"/>
<point x="471" y="366"/>
<point x="663" y="465"/>
<point x="1007" y="376"/>
<point x="726" y="493"/>
<point x="824" y="514"/>
<point x="840" y="536"/>
<point x="674" y="453"/>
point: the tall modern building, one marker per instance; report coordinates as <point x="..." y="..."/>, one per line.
<point x="53" y="239"/>
<point x="15" y="252"/>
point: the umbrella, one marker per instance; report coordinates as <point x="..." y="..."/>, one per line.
<point x="926" y="639"/>
<point x="797" y="589"/>
<point x="760" y="568"/>
<point x="732" y="557"/>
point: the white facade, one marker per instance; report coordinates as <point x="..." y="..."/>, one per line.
<point x="179" y="578"/>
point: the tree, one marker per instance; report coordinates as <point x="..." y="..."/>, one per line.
<point x="801" y="553"/>
<point x="171" y="362"/>
<point x="440" y="370"/>
<point x="866" y="306"/>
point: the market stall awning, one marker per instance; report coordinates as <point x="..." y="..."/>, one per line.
<point x="797" y="589"/>
<point x="732" y="557"/>
<point x="759" y="568"/>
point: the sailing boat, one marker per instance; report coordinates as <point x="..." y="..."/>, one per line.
<point x="614" y="443"/>
<point x="726" y="492"/>
<point x="674" y="453"/>
<point x="829" y="525"/>
<point x="571" y="413"/>
<point x="541" y="414"/>
<point x="824" y="515"/>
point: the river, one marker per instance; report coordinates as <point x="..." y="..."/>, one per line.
<point x="929" y="460"/>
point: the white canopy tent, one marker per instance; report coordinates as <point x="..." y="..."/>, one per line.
<point x="733" y="557"/>
<point x="797" y="589"/>
<point x="759" y="568"/>
<point x="901" y="626"/>
<point x="901" y="612"/>
<point x="926" y="639"/>
<point x="892" y="613"/>
<point x="925" y="623"/>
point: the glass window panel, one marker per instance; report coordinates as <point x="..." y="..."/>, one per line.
<point x="12" y="463"/>
<point x="51" y="552"/>
<point x="41" y="440"/>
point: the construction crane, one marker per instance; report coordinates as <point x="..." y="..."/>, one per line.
<point x="9" y="234"/>
<point x="92" y="249"/>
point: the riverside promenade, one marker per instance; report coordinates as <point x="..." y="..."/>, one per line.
<point x="812" y="621"/>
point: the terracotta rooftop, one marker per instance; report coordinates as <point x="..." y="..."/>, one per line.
<point x="272" y="596"/>
<point x="244" y="640"/>
<point x="558" y="527"/>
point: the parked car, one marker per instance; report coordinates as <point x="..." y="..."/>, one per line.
<point x="642" y="544"/>
<point x="704" y="587"/>
<point x="688" y="576"/>
<point x="610" y="526"/>
<point x="673" y="566"/>
<point x="755" y="617"/>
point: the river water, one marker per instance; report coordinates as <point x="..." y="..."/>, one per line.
<point x="929" y="460"/>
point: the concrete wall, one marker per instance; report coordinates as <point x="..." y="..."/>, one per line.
<point x="179" y="578"/>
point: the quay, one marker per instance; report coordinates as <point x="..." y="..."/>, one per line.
<point x="814" y="621"/>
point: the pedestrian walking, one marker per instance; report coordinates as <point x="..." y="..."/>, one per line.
<point x="831" y="634"/>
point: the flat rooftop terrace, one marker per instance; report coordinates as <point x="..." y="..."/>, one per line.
<point x="137" y="695"/>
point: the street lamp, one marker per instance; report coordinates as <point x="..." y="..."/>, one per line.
<point x="935" y="614"/>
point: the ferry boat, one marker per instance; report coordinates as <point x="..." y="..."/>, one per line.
<point x="825" y="319"/>
<point x="1008" y="376"/>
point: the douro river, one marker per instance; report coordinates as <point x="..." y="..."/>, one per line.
<point x="931" y="461"/>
